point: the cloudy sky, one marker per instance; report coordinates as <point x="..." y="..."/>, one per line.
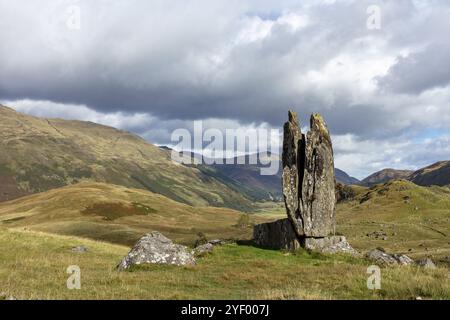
<point x="152" y="66"/>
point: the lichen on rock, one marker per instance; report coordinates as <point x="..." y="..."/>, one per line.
<point x="154" y="248"/>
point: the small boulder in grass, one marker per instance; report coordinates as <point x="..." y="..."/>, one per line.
<point x="426" y="263"/>
<point x="80" y="249"/>
<point x="383" y="258"/>
<point x="154" y="248"/>
<point x="203" y="250"/>
<point x="217" y="242"/>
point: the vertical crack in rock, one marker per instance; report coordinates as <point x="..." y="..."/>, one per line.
<point x="292" y="179"/>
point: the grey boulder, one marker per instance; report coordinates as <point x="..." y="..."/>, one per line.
<point x="332" y="244"/>
<point x="385" y="259"/>
<point x="427" y="263"/>
<point x="80" y="249"/>
<point x="204" y="249"/>
<point x="154" y="248"/>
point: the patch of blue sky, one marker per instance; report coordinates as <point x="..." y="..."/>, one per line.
<point x="430" y="134"/>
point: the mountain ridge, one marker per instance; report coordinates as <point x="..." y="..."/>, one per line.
<point x="385" y="175"/>
<point x="436" y="174"/>
<point x="344" y="178"/>
<point x="40" y="154"/>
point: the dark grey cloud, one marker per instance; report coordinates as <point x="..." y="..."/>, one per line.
<point x="419" y="71"/>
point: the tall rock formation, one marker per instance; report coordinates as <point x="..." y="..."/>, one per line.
<point x="308" y="178"/>
<point x="309" y="192"/>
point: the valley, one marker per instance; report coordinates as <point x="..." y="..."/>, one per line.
<point x="69" y="184"/>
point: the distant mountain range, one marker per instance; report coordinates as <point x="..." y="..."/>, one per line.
<point x="243" y="178"/>
<point x="436" y="174"/>
<point x="246" y="178"/>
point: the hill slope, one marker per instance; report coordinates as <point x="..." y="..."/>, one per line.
<point x="117" y="214"/>
<point x="42" y="154"/>
<point x="343" y="178"/>
<point x="385" y="175"/>
<point x="436" y="174"/>
<point x="401" y="217"/>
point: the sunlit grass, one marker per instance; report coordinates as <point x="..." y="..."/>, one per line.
<point x="33" y="266"/>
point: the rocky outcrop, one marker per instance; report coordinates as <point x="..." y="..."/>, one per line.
<point x="154" y="248"/>
<point x="426" y="263"/>
<point x="382" y="258"/>
<point x="308" y="177"/>
<point x="331" y="244"/>
<point x="309" y="192"/>
<point x="203" y="250"/>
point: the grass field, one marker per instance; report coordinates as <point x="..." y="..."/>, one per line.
<point x="33" y="266"/>
<point x="415" y="220"/>
<point x="38" y="232"/>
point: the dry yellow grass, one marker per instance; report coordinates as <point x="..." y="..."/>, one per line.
<point x="33" y="266"/>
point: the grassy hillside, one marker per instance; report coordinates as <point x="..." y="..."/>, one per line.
<point x="119" y="215"/>
<point x="33" y="266"/>
<point x="42" y="154"/>
<point x="415" y="220"/>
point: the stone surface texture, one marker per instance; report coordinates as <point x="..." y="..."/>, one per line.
<point x="154" y="248"/>
<point x="276" y="235"/>
<point x="332" y="244"/>
<point x="382" y="258"/>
